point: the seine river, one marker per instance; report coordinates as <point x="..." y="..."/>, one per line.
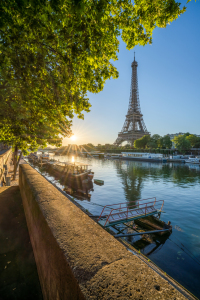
<point x="179" y="186"/>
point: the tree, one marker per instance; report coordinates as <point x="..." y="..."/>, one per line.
<point x="186" y="134"/>
<point x="197" y="145"/>
<point x="30" y="133"/>
<point x="167" y="143"/>
<point x="181" y="143"/>
<point x="142" y="143"/>
<point x="62" y="49"/>
<point x="54" y="52"/>
<point x="160" y="142"/>
<point x="152" y="144"/>
<point x="192" y="139"/>
<point x="28" y="128"/>
<point x="154" y="141"/>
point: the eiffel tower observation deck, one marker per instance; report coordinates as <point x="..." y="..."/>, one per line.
<point x="134" y="127"/>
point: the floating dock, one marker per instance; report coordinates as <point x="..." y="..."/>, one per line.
<point x="126" y="212"/>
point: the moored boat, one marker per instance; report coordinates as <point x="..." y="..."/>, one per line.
<point x="98" y="182"/>
<point x="150" y="157"/>
<point x="192" y="160"/>
<point x="76" y="176"/>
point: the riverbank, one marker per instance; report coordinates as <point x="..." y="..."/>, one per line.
<point x="89" y="268"/>
<point x="117" y="273"/>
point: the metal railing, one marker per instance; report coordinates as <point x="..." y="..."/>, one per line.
<point x="128" y="209"/>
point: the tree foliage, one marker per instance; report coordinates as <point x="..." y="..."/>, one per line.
<point x="167" y="143"/>
<point x="52" y="52"/>
<point x="182" y="143"/>
<point x="142" y="143"/>
<point x="193" y="139"/>
<point x="154" y="141"/>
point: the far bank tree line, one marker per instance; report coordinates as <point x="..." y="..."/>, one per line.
<point x="181" y="142"/>
<point x="155" y="142"/>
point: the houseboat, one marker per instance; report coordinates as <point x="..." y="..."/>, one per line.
<point x="193" y="160"/>
<point x="76" y="176"/>
<point x="149" y="157"/>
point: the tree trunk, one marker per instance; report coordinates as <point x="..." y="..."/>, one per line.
<point x="16" y="161"/>
<point x="15" y="156"/>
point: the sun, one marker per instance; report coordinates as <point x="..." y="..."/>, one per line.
<point x="73" y="137"/>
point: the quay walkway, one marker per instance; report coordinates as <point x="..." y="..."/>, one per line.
<point x="18" y="273"/>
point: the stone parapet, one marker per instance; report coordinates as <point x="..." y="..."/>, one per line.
<point x="75" y="257"/>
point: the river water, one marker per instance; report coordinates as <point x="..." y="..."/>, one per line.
<point x="179" y="186"/>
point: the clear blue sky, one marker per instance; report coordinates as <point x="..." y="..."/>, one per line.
<point x="169" y="85"/>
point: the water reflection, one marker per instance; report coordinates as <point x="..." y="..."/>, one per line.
<point x="133" y="175"/>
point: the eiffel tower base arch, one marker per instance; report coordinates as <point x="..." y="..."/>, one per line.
<point x="128" y="137"/>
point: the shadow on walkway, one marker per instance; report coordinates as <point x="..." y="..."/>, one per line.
<point x="18" y="274"/>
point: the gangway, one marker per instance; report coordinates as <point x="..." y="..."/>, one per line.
<point x="125" y="212"/>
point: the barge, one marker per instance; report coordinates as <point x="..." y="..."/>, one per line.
<point x="75" y="176"/>
<point x="148" y="157"/>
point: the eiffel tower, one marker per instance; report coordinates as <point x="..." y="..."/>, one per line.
<point x="134" y="127"/>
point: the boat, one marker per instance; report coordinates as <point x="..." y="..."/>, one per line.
<point x="113" y="214"/>
<point x="98" y="181"/>
<point x="76" y="176"/>
<point x="193" y="160"/>
<point x="150" y="157"/>
<point x="152" y="223"/>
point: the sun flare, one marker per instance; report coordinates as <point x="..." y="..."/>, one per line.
<point x="73" y="137"/>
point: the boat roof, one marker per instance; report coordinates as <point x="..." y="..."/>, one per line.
<point x="143" y="153"/>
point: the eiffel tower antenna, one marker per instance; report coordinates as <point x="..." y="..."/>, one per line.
<point x="134" y="127"/>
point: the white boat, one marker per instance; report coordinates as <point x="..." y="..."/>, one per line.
<point x="193" y="160"/>
<point x="143" y="156"/>
<point x="176" y="157"/>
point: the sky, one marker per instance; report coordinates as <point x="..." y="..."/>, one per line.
<point x="168" y="81"/>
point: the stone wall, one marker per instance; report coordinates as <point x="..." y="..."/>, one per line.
<point x="75" y="257"/>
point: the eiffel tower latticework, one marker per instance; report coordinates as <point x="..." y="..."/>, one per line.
<point x="134" y="127"/>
